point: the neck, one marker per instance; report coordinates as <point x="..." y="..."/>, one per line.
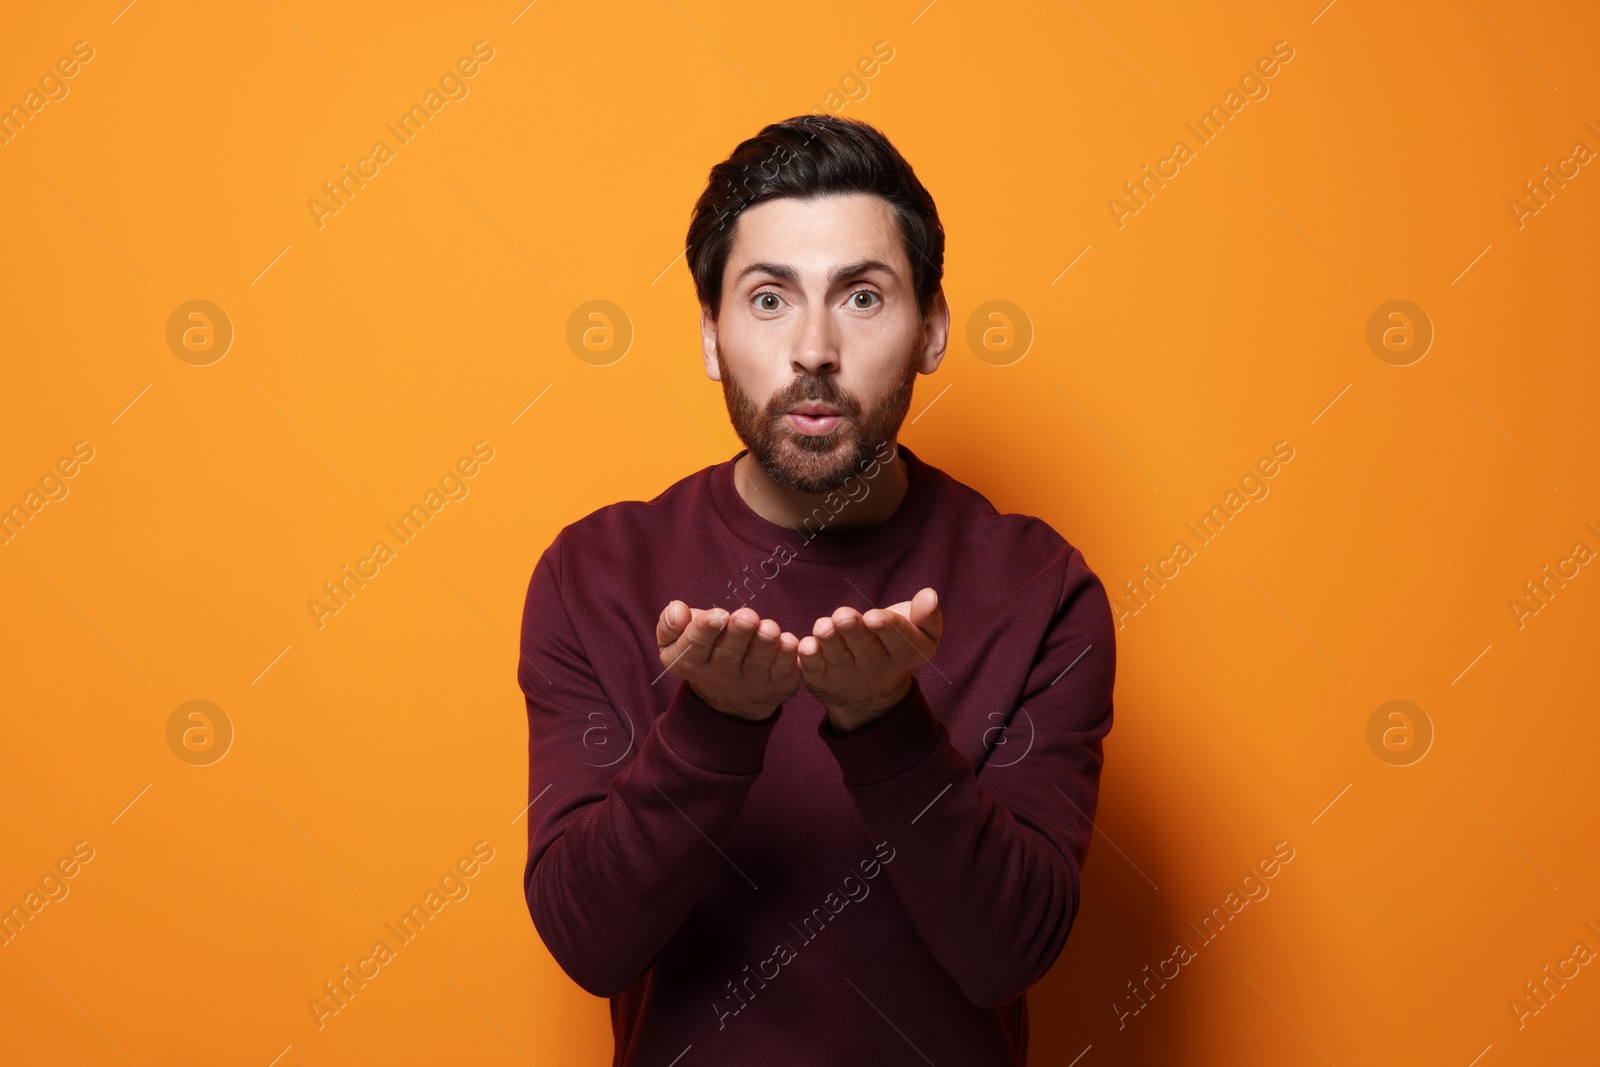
<point x="784" y="506"/>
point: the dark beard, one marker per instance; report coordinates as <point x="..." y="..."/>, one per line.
<point x="815" y="464"/>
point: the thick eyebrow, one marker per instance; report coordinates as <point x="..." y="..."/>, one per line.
<point x="788" y="273"/>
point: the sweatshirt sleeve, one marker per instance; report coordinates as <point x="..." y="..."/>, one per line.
<point x="987" y="863"/>
<point x="626" y="818"/>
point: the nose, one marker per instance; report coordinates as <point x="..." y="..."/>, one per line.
<point x="816" y="342"/>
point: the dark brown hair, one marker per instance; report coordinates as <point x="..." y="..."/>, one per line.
<point x="806" y="157"/>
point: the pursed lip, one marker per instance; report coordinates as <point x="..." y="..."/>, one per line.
<point x="813" y="409"/>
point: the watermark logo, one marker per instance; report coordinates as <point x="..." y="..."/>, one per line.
<point x="999" y="332"/>
<point x="199" y="333"/>
<point x="1399" y="333"/>
<point x="199" y="733"/>
<point x="999" y="736"/>
<point x="599" y="332"/>
<point x="1399" y="733"/>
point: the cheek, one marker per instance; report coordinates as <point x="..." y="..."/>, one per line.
<point x="755" y="367"/>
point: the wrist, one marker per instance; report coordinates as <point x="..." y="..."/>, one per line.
<point x="748" y="712"/>
<point x="847" y="719"/>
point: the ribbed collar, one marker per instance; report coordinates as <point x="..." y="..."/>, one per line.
<point x="821" y="542"/>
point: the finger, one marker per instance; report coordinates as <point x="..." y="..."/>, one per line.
<point x="730" y="646"/>
<point x="905" y="643"/>
<point x="831" y="642"/>
<point x="808" y="654"/>
<point x="763" y="648"/>
<point x="694" y="647"/>
<point x="866" y="649"/>
<point x="786" y="667"/>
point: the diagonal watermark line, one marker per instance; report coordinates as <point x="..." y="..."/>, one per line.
<point x="281" y="1055"/>
<point x="1513" y="44"/>
<point x="520" y="654"/>
<point x="1290" y="1021"/>
<point x="1102" y="433"/>
<point x="1074" y="263"/>
<point x="713" y="44"/>
<point x="1299" y="231"/>
<point x="130" y="804"/>
<point x="690" y="421"/>
<point x="897" y="633"/>
<point x="523" y="12"/>
<point x="1080" y="1055"/>
<point x="530" y="404"/>
<point x="271" y="665"/>
<point x="274" y="263"/>
<point x="1480" y="1055"/>
<point x="99" y="231"/>
<point x="123" y="12"/>
<point x="932" y="802"/>
<point x="1469" y="666"/>
<point x="302" y="833"/>
<point x="930" y="404"/>
<point x="1502" y="433"/>
<point x="923" y="12"/>
<point x="302" y="433"/>
<point x="668" y="267"/>
<point x="499" y="231"/>
<point x="710" y="842"/>
<point x="130" y="404"/>
<point x="313" y="44"/>
<point x="1113" y="44"/>
<point x="1107" y="836"/>
<point x="1323" y="12"/>
<point x="1474" y="263"/>
<point x="888" y="1020"/>
<point x="90" y="1021"/>
<point x="531" y="803"/>
<point x="680" y="655"/>
<point x="1071" y="665"/>
<point x="97" y="629"/>
<point x="1502" y="833"/>
<point x="1330" y="404"/>
<point x="1299" y="631"/>
<point x="488" y="1020"/>
<point x="1330" y="804"/>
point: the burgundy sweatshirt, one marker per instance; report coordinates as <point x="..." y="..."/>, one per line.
<point x="775" y="893"/>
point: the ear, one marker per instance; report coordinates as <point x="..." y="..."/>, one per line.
<point x="935" y="335"/>
<point x="708" y="343"/>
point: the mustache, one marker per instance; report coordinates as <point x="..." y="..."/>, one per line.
<point x="813" y="390"/>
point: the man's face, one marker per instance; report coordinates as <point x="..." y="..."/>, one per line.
<point x="819" y="313"/>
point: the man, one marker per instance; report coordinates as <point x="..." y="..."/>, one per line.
<point x="857" y="846"/>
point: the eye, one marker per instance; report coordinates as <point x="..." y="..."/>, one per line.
<point x="761" y="298"/>
<point x="860" y="305"/>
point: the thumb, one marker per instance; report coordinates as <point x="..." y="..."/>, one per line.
<point x="925" y="614"/>
<point x="668" y="627"/>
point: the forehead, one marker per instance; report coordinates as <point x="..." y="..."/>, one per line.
<point x="818" y="234"/>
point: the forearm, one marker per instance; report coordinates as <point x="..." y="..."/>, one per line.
<point x="992" y="897"/>
<point x="611" y="890"/>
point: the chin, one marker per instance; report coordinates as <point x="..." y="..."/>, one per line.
<point x="815" y="464"/>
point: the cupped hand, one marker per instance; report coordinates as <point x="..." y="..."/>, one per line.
<point x="739" y="664"/>
<point x="859" y="665"/>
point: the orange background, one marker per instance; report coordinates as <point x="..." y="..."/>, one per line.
<point x="1228" y="314"/>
